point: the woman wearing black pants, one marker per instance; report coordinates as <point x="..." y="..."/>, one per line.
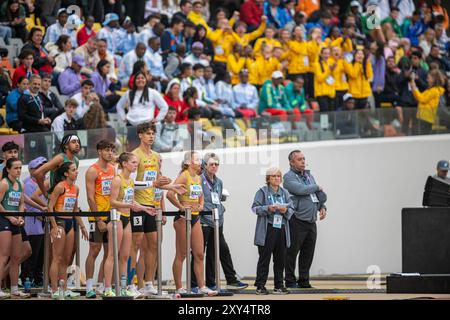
<point x="273" y="207"/>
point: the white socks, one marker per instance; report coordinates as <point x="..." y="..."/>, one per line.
<point x="89" y="284"/>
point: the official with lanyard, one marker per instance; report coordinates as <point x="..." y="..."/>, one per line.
<point x="212" y="188"/>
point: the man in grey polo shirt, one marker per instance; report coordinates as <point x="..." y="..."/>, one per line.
<point x="308" y="199"/>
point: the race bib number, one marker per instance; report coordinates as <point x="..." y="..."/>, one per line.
<point x="150" y="175"/>
<point x="215" y="198"/>
<point x="14" y="198"/>
<point x="348" y="57"/>
<point x="277" y="221"/>
<point x="92" y="227"/>
<point x="69" y="204"/>
<point x="106" y="188"/>
<point x="195" y="192"/>
<point x="329" y="80"/>
<point x="128" y="196"/>
<point x="137" y="221"/>
<point x="158" y="194"/>
<point x="314" y="197"/>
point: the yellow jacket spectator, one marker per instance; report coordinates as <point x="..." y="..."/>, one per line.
<point x="339" y="75"/>
<point x="268" y="40"/>
<point x="314" y="47"/>
<point x="242" y="37"/>
<point x="265" y="65"/>
<point x="335" y="39"/>
<point x="196" y="15"/>
<point x="236" y="62"/>
<point x="285" y="37"/>
<point x="360" y="75"/>
<point x="218" y="38"/>
<point x="324" y="82"/>
<point x="298" y="53"/>
<point x="428" y="101"/>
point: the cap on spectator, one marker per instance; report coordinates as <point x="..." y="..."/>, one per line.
<point x="443" y="165"/>
<point x="110" y="17"/>
<point x="347" y="97"/>
<point x="277" y="75"/>
<point x="171" y="83"/>
<point x="61" y="11"/>
<point x="36" y="163"/>
<point x="79" y="60"/>
<point x="243" y="71"/>
<point x="355" y="3"/>
<point x="197" y="45"/>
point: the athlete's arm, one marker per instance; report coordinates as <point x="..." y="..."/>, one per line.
<point x="91" y="175"/>
<point x="40" y="173"/>
<point x="22" y="204"/>
<point x="171" y="195"/>
<point x="57" y="191"/>
<point x="29" y="201"/>
<point x="115" y="188"/>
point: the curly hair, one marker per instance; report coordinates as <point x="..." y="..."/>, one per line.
<point x="95" y="117"/>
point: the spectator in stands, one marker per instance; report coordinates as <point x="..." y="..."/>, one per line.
<point x="5" y="33"/>
<point x="62" y="54"/>
<point x="428" y="100"/>
<point x="52" y="105"/>
<point x="197" y="55"/>
<point x="172" y="37"/>
<point x="66" y="121"/>
<point x="416" y="65"/>
<point x="439" y="10"/>
<point x="110" y="32"/>
<point x="155" y="65"/>
<point x="391" y="90"/>
<point x="251" y="13"/>
<point x="443" y="41"/>
<point x="308" y="6"/>
<point x="219" y="14"/>
<point x="188" y="34"/>
<point x="236" y="62"/>
<point x="174" y="60"/>
<point x="360" y="75"/>
<point x="339" y="76"/>
<point x="265" y="65"/>
<point x="25" y="69"/>
<point x="274" y="209"/>
<point x="186" y="7"/>
<point x="90" y="54"/>
<point x="31" y="108"/>
<point x="58" y="28"/>
<point x="208" y="47"/>
<point x="147" y="31"/>
<point x="86" y="32"/>
<point x="173" y="100"/>
<point x="208" y="83"/>
<point x="105" y="55"/>
<point x="128" y="61"/>
<point x="167" y="134"/>
<point x="85" y="98"/>
<point x="224" y="93"/>
<point x="129" y="39"/>
<point x="12" y="115"/>
<point x="298" y="54"/>
<point x="14" y="14"/>
<point x="141" y="101"/>
<point x="108" y="98"/>
<point x="295" y="95"/>
<point x="379" y="70"/>
<point x="406" y="10"/>
<point x="324" y="89"/>
<point x="347" y="121"/>
<point x="414" y="28"/>
<point x="272" y="98"/>
<point x="245" y="96"/>
<point x="196" y="14"/>
<point x="268" y="40"/>
<point x="324" y="24"/>
<point x="276" y="15"/>
<point x="42" y="61"/>
<point x="204" y="101"/>
<point x="428" y="40"/>
<point x="392" y="20"/>
<point x="444" y="107"/>
<point x="140" y="66"/>
<point x="69" y="80"/>
<point x="436" y="57"/>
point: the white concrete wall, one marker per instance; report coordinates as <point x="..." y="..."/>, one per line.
<point x="368" y="182"/>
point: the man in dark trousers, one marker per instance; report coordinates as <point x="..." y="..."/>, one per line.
<point x="308" y="199"/>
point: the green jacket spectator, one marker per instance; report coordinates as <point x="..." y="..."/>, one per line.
<point x="296" y="99"/>
<point x="273" y="97"/>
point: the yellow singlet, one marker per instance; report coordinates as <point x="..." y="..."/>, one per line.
<point x="147" y="171"/>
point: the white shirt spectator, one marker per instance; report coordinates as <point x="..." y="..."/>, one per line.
<point x="145" y="34"/>
<point x="91" y="60"/>
<point x="62" y="59"/>
<point x="112" y="37"/>
<point x="140" y="112"/>
<point x="58" y="125"/>
<point x="193" y="60"/>
<point x="406" y="8"/>
<point x="83" y="106"/>
<point x="225" y="93"/>
<point x="245" y="93"/>
<point x="127" y="63"/>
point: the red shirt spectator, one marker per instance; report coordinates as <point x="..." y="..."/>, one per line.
<point x="180" y="106"/>
<point x="251" y="12"/>
<point x="84" y="34"/>
<point x="25" y="69"/>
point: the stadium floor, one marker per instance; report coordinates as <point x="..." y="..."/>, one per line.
<point x="342" y="287"/>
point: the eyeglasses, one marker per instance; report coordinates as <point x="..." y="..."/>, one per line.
<point x="275" y="176"/>
<point x="212" y="164"/>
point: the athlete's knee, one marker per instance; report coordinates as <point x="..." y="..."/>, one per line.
<point x="198" y="256"/>
<point x="26" y="253"/>
<point x="16" y="259"/>
<point x="181" y="255"/>
<point x="94" y="251"/>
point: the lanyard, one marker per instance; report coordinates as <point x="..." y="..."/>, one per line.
<point x="209" y="185"/>
<point x="271" y="198"/>
<point x="39" y="104"/>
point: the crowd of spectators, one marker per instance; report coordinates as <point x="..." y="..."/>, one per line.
<point x="174" y="61"/>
